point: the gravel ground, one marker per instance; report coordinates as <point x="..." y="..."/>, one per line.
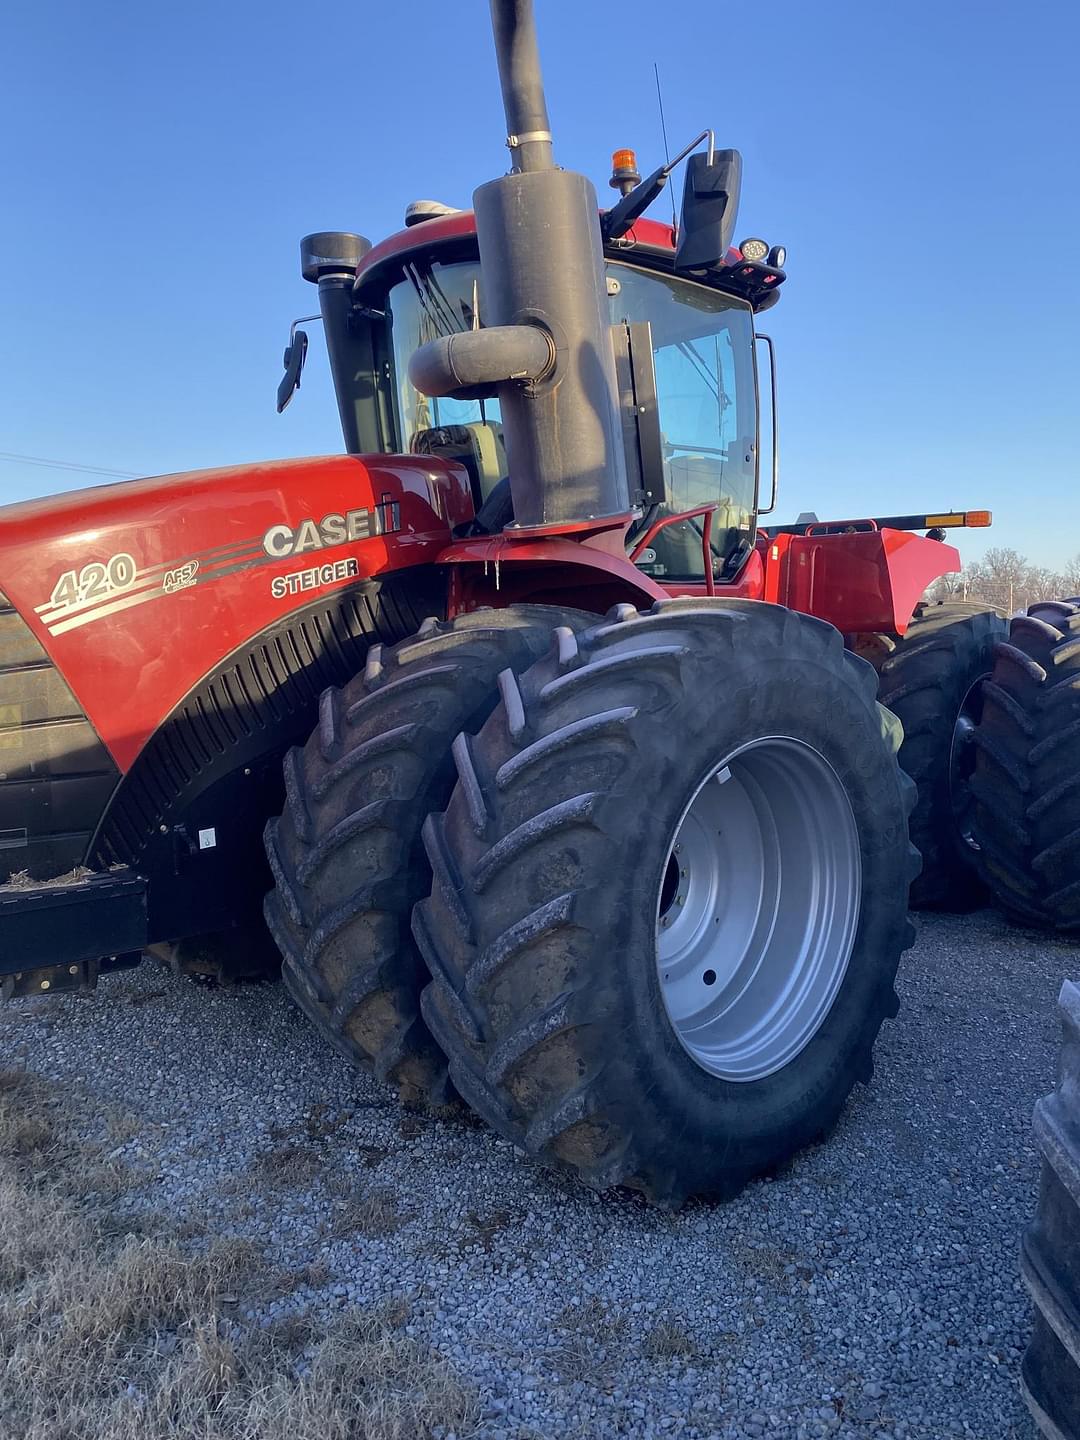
<point x="870" y="1290"/>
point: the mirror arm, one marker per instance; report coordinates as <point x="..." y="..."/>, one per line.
<point x="293" y="360"/>
<point x="615" y="222"/>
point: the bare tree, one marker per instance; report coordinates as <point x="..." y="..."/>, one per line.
<point x="1008" y="581"/>
<point x="1007" y="573"/>
<point x="948" y="587"/>
<point x="1043" y="584"/>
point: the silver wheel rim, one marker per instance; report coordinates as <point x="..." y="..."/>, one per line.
<point x="962" y="765"/>
<point x="758" y="908"/>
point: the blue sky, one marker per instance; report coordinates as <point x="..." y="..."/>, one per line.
<point x="918" y="161"/>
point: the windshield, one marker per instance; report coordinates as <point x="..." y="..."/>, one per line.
<point x="706" y="393"/>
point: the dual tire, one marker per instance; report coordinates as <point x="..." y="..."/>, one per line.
<point x="1026" y="783"/>
<point x="346" y="853"/>
<point x="932" y="679"/>
<point x="603" y="961"/>
<point x="1050" y="1250"/>
<point x="991" y="717"/>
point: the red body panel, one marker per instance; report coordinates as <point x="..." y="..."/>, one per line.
<point x="206" y="550"/>
<point x="867" y="581"/>
<point x="749" y="584"/>
<point x="589" y="574"/>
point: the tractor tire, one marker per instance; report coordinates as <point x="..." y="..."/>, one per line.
<point x="346" y="854"/>
<point x="1027" y="776"/>
<point x="932" y="679"/>
<point x="1050" y="1251"/>
<point x="561" y="909"/>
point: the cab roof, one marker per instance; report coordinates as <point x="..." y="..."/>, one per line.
<point x="650" y="243"/>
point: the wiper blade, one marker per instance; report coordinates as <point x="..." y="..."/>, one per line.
<point x="442" y="320"/>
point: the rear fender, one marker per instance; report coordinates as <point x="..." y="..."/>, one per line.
<point x="865" y="581"/>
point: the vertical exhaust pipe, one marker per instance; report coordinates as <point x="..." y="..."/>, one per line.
<point x="528" y="128"/>
<point x="542" y="268"/>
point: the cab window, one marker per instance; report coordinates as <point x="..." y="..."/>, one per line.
<point x="430" y="301"/>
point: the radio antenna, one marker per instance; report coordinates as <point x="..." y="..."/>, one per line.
<point x="663" y="132"/>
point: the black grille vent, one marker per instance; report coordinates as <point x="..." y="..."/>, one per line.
<point x="55" y="774"/>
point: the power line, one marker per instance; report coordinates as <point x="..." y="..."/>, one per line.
<point x="11" y="458"/>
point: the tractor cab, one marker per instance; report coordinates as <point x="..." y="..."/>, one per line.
<point x="703" y="372"/>
<point x="685" y="355"/>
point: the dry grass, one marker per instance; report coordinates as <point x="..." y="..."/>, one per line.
<point x="287" y="1164"/>
<point x="586" y="1331"/>
<point x="373" y="1213"/>
<point x="321" y="1124"/>
<point x="668" y="1341"/>
<point x="486" y="1228"/>
<point x="106" y="1334"/>
<point x="22" y="879"/>
<point x="764" y="1264"/>
<point x="595" y="1319"/>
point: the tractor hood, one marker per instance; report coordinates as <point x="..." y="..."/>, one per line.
<point x="141" y="588"/>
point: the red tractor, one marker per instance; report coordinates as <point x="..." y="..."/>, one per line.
<point x="578" y="799"/>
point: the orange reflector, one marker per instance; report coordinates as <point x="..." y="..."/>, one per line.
<point x="623" y="160"/>
<point x="976" y="518"/>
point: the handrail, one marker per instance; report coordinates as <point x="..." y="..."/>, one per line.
<point x="768" y="509"/>
<point x="822" y="527"/>
<point x="706" y="539"/>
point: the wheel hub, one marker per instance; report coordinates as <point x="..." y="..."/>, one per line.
<point x="758" y="908"/>
<point x="962" y="764"/>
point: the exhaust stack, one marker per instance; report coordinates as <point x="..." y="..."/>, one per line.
<point x="542" y="269"/>
<point x="528" y="129"/>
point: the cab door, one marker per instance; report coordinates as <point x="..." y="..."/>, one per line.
<point x="706" y="385"/>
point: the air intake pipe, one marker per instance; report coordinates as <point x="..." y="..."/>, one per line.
<point x="329" y="259"/>
<point x="542" y="275"/>
<point x="469" y="365"/>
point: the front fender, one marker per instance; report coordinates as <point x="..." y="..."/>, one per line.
<point x="549" y="570"/>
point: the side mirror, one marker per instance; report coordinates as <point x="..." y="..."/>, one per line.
<point x="295" y="355"/>
<point x="709" y="208"/>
